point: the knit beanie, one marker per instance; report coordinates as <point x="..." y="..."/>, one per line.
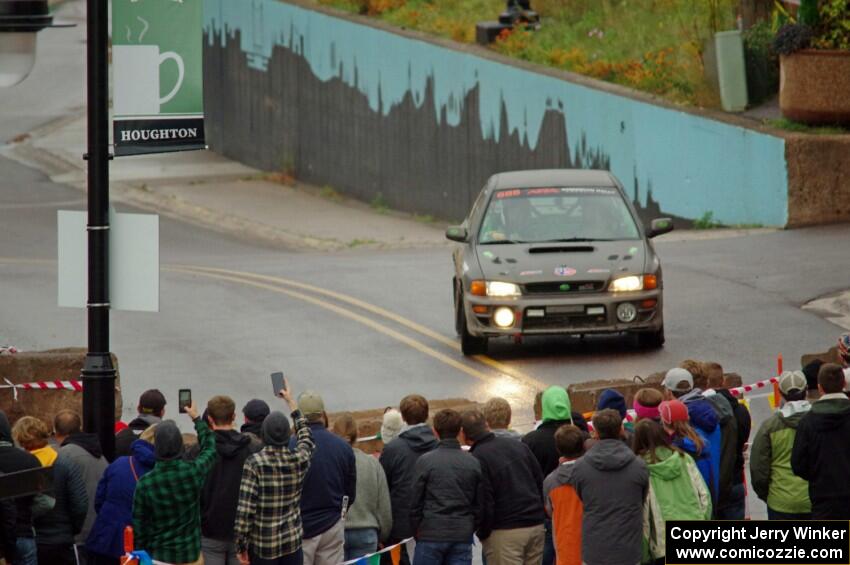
<point x="276" y="430"/>
<point x="611" y="398"/>
<point x="168" y="441"/>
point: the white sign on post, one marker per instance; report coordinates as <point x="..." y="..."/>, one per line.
<point x="133" y="260"/>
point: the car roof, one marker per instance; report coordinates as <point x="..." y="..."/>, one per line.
<point x="552" y="177"/>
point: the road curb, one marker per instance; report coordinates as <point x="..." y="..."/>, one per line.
<point x="61" y="170"/>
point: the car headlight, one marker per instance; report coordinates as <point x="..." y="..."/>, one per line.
<point x="502" y="289"/>
<point x="626" y="284"/>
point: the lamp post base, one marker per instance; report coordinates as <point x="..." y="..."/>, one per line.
<point x="99" y="400"/>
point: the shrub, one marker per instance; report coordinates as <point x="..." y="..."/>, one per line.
<point x="762" y="63"/>
<point x="791" y="38"/>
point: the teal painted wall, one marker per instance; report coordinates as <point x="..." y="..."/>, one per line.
<point x="691" y="164"/>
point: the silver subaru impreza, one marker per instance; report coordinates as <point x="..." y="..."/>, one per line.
<point x="556" y="252"/>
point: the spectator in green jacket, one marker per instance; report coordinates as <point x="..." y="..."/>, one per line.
<point x="677" y="490"/>
<point x="167" y="502"/>
<point x="786" y="494"/>
<point x="370" y="518"/>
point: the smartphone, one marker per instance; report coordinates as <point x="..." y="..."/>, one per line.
<point x="278" y="384"/>
<point x="184" y="399"/>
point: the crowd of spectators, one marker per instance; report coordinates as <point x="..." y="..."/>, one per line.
<point x="289" y="488"/>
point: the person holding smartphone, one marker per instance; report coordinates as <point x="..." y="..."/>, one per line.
<point x="268" y="515"/>
<point x="166" y="504"/>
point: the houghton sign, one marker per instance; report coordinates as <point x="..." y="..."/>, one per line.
<point x="158" y="76"/>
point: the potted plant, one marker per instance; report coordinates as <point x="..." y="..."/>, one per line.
<point x="814" y="76"/>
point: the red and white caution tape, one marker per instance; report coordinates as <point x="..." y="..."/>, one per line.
<point x="75" y="386"/>
<point x="740" y="390"/>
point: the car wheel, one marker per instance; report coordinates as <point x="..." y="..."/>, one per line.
<point x="469" y="344"/>
<point x="651" y="340"/>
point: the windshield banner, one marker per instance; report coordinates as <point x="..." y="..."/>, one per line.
<point x="158" y="76"/>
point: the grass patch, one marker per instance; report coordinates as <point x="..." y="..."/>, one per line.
<point x="379" y="204"/>
<point x="706" y="222"/>
<point x="357" y="242"/>
<point x="424" y="218"/>
<point x="790" y="125"/>
<point x="330" y="193"/>
<point x="651" y="45"/>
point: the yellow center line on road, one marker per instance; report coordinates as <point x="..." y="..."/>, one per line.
<point x="347" y="314"/>
<point x="401" y="320"/>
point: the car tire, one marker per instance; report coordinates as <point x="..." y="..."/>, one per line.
<point x="469" y="344"/>
<point x="651" y="340"/>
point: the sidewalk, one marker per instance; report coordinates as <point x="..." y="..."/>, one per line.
<point x="207" y="189"/>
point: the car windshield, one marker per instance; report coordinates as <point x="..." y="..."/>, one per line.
<point x="536" y="215"/>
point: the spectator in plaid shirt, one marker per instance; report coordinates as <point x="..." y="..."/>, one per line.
<point x="167" y="505"/>
<point x="268" y="516"/>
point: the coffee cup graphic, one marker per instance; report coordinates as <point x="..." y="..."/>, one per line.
<point x="136" y="74"/>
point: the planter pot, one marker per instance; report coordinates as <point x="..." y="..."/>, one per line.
<point x="814" y="86"/>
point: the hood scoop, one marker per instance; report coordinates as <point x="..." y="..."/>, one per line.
<point x="563" y="249"/>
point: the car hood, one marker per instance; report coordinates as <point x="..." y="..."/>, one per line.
<point x="524" y="263"/>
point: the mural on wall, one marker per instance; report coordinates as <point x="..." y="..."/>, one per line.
<point x="373" y="112"/>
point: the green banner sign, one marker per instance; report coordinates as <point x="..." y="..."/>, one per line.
<point x="158" y="97"/>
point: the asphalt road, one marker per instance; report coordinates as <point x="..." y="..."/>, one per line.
<point x="364" y="328"/>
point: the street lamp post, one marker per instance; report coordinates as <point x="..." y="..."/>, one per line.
<point x="98" y="372"/>
<point x="20" y="20"/>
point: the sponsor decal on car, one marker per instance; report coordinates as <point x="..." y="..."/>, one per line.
<point x="564" y="271"/>
<point x="530" y="273"/>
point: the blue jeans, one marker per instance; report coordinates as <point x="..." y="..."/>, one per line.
<point x="359" y="542"/>
<point x="775" y="515"/>
<point x="548" y="543"/>
<point x="442" y="553"/>
<point x="734" y="508"/>
<point x="26" y="552"/>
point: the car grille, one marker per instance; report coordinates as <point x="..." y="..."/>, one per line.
<point x="564" y="287"/>
<point x="557" y="321"/>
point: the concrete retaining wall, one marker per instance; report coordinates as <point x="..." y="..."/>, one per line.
<point x="343" y="101"/>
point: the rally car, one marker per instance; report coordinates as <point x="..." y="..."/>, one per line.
<point x="556" y="252"/>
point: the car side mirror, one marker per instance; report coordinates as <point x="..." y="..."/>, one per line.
<point x="660" y="226"/>
<point x="457" y="233"/>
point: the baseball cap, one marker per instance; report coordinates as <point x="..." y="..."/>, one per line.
<point x="256" y="410"/>
<point x="151" y="402"/>
<point x="311" y="403"/>
<point x="675" y="377"/>
<point x="791" y="380"/>
<point x="673" y="411"/>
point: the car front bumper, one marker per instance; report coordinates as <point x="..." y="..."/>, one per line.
<point x="592" y="313"/>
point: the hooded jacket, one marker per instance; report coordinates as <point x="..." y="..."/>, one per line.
<point x="703" y="418"/>
<point x="770" y="461"/>
<point x="114" y="499"/>
<point x="7" y="530"/>
<point x="60" y="525"/>
<point x="221" y="489"/>
<point x="820" y="456"/>
<point x="565" y="508"/>
<point x="444" y="497"/>
<point x="702" y="458"/>
<point x="398" y="459"/>
<point x="13" y="459"/>
<point x="332" y="476"/>
<point x="84" y="450"/>
<point x="743" y="425"/>
<point x="511" y="487"/>
<point x="125" y="438"/>
<point x="557" y="411"/>
<point x="677" y="491"/>
<point x="728" y="450"/>
<point x="612" y="484"/>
